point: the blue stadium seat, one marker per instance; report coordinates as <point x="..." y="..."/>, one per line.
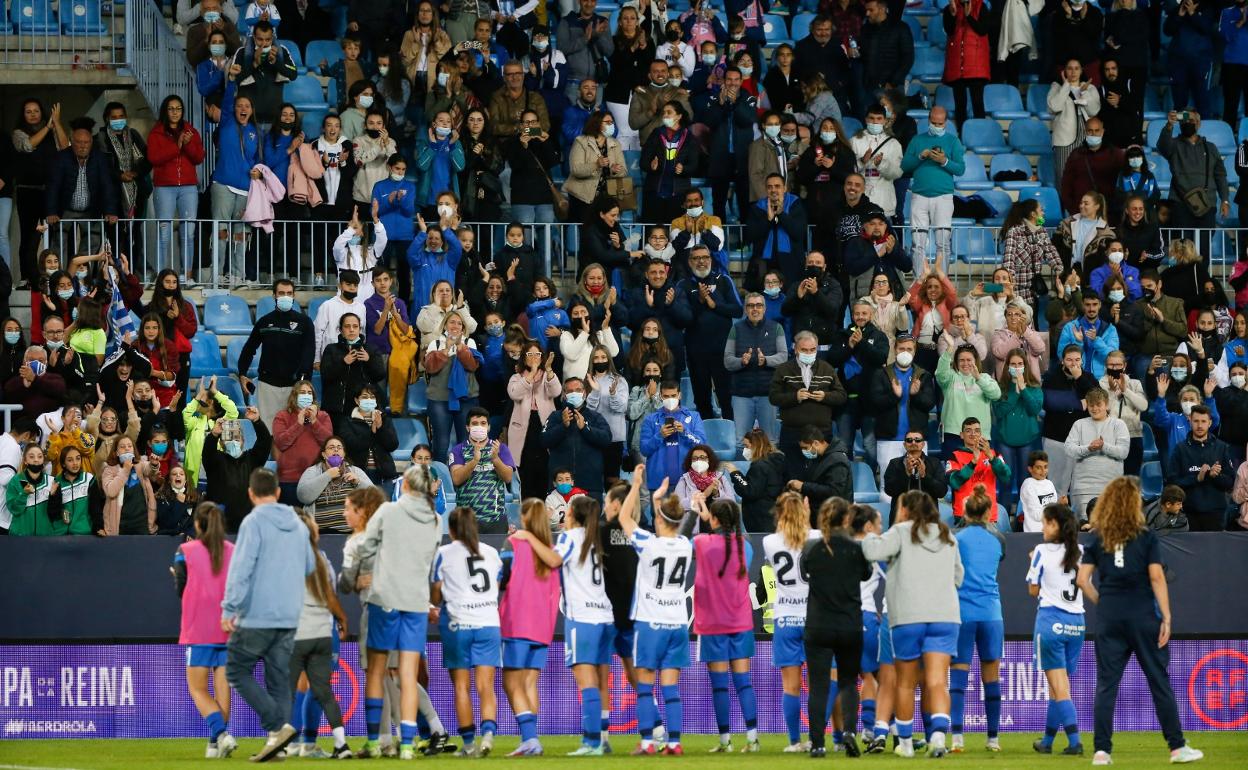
<point x="946" y="512"/>
<point x="311" y="119"/>
<point x="249" y="432"/>
<point x="329" y="50"/>
<point x="1031" y="137"/>
<point x="33" y="17"/>
<point x="916" y="29"/>
<point x="983" y="135"/>
<point x="1220" y="134"/>
<point x="315" y="305"/>
<point x="417" y="398"/>
<point x="227" y="314"/>
<point x="1160" y="168"/>
<point x="975" y="177"/>
<point x="231" y="388"/>
<point x="944" y="98"/>
<point x="296" y="55"/>
<point x="1004" y="102"/>
<point x="1150" y="445"/>
<point x="865" y="488"/>
<point x="1150" y="479"/>
<point x="1153" y="133"/>
<point x="1011" y="161"/>
<point x="722" y="436"/>
<point x="1048" y="197"/>
<point x="1243" y="128"/>
<point x="305" y="93"/>
<point x="801" y="25"/>
<point x="206" y="355"/>
<point x="1045" y="172"/>
<point x="411" y="432"/>
<point x="632" y="161"/>
<point x="936" y="34"/>
<point x="775" y="30"/>
<point x="1156" y="103"/>
<point x="974" y="245"/>
<point x="929" y="64"/>
<point x="885" y="511"/>
<point x="999" y="200"/>
<point x="234" y="349"/>
<point x="1038" y="102"/>
<point x="448" y="486"/>
<point x="82" y="17"/>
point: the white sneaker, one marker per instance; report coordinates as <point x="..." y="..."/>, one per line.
<point x="212" y="752"/>
<point x="801" y="747"/>
<point x="993" y="744"/>
<point x="226" y="745"/>
<point x="276" y="743"/>
<point x="956" y="744"/>
<point x="1101" y="758"/>
<point x="1186" y="754"/>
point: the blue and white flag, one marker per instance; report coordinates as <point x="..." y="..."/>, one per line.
<point x="119" y="321"/>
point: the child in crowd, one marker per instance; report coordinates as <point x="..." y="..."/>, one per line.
<point x="258" y="11"/>
<point x="350" y="69"/>
<point x="1036" y="492"/>
<point x="560" y="498"/>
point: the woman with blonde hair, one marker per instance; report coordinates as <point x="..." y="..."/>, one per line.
<point x="1133" y="614"/>
<point x="1081" y="238"/>
<point x="451" y="363"/>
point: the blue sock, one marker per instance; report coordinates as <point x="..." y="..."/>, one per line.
<point x="833" y="690"/>
<point x="674" y="711"/>
<point x="720" y="698"/>
<point x="528" y="725"/>
<point x="838" y="736"/>
<point x="216" y="726"/>
<point x="468" y="735"/>
<point x="1070" y="720"/>
<point x="957" y="698"/>
<point x="372" y="717"/>
<point x="880" y="730"/>
<point x="992" y="707"/>
<point x="905" y="728"/>
<point x="488" y="727"/>
<point x="296" y="711"/>
<point x="422" y="727"/>
<point x="407" y="734"/>
<point x="748" y="700"/>
<point x="591" y="716"/>
<point x="1052" y="722"/>
<point x="647" y="714"/>
<point x="939" y="724"/>
<point x="312" y="713"/>
<point x="927" y="726"/>
<point x="868" y="714"/>
<point x="793" y="716"/>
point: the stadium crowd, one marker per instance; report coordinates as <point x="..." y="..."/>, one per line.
<point x="846" y="362"/>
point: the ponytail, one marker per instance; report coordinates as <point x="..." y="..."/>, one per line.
<point x="922" y="511"/>
<point x="1067" y="533"/>
<point x="462" y="524"/>
<point x="318" y="582"/>
<point x="728" y="514"/>
<point x="585" y="512"/>
<point x="211" y="526"/>
<point x="832" y="516"/>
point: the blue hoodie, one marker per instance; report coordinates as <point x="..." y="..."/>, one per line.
<point x="1234" y="36"/>
<point x="399" y="216"/>
<point x="238" y="148"/>
<point x="543" y="314"/>
<point x="665" y="456"/>
<point x="1176" y="425"/>
<point x="272" y="557"/>
<point x="429" y="267"/>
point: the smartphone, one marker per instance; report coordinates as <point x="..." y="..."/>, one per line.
<point x="670" y="421"/>
<point x="1184" y="116"/>
<point x="993" y="288"/>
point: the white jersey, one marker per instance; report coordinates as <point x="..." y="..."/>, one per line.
<point x="869" y="587"/>
<point x="584" y="595"/>
<point x="469" y="583"/>
<point x="662" y="567"/>
<point x="792" y="591"/>
<point x="1057" y="584"/>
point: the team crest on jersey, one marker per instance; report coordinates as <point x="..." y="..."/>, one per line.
<point x="294" y="325"/>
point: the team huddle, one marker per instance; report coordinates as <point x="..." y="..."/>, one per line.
<point x="621" y="589"/>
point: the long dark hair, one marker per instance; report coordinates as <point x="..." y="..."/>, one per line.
<point x="23" y="126"/>
<point x="585" y="512"/>
<point x="275" y="132"/>
<point x="211" y="526"/>
<point x="862" y="515"/>
<point x="159" y="292"/>
<point x="1020" y="212"/>
<point x="922" y="512"/>
<point x="164" y="113"/>
<point x="1067" y="533"/>
<point x="728" y="514"/>
<point x="462" y="524"/>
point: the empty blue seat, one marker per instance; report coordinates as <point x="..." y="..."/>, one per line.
<point x="1150" y="479"/>
<point x="417" y="398"/>
<point x="1156" y="103"/>
<point x="249" y="433"/>
<point x="999" y="200"/>
<point x="983" y="135"/>
<point x="943" y="98"/>
<point x="1221" y="134"/>
<point x="230" y="387"/>
<point x="1160" y="168"/>
<point x="1004" y="102"/>
<point x="82" y="17"/>
<point x="929" y="64"/>
<point x="1011" y="161"/>
<point x="722" y="436"/>
<point x="448" y="486"/>
<point x="311" y="119"/>
<point x="850" y="125"/>
<point x="936" y="34"/>
<point x="206" y="355"/>
<point x="885" y="511"/>
<point x="974" y="245"/>
<point x="305" y="93"/>
<point x="227" y="314"/>
<point x="315" y="305"/>
<point x="1031" y="137"/>
<point x="411" y="432"/>
<point x="866" y="490"/>
<point x="801" y="25"/>
<point x="916" y="29"/>
<point x="975" y="177"/>
<point x="1038" y="102"/>
<point x="296" y="56"/>
<point x="1150" y="445"/>
<point x="1243" y="128"/>
<point x="234" y="349"/>
<point x="323" y="50"/>
<point x="34" y="17"/>
<point x="775" y="30"/>
<point x="1048" y="197"/>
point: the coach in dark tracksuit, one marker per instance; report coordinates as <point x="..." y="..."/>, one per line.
<point x="1206" y="490"/>
<point x="715" y="305"/>
<point x="289" y="348"/>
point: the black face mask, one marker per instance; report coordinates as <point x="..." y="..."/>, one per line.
<point x="1113" y="373"/>
<point x="374" y="133"/>
<point x="1149" y="294"/>
<point x="349" y="296"/>
<point x="1187" y="130"/>
<point x="653" y="378"/>
<point x="142" y="404"/>
<point x="673" y="35"/>
<point x="286" y="126"/>
<point x="600" y="367"/>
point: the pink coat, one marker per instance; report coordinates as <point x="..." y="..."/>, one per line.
<point x="261" y="196"/>
<point x="305" y="168"/>
<point x="524" y="394"/>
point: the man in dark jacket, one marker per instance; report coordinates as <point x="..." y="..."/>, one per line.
<point x="823" y="471"/>
<point x="264" y="68"/>
<point x="1122" y="105"/>
<point x="754" y="348"/>
<point x="886" y="48"/>
<point x="900" y="396"/>
<point x="1075" y="33"/>
<point x="1202" y="466"/>
<point x="1153" y="325"/>
<point x="713" y="305"/>
<point x="80" y="186"/>
<point x="915" y="469"/>
<point x="1065" y="386"/>
<point x="844" y="222"/>
<point x="1093" y="167"/>
<point x="777" y="229"/>
<point x="875" y="251"/>
<point x="576" y="437"/>
<point x="814" y="302"/>
<point x="659" y="299"/>
<point x="819" y="52"/>
<point x="858" y="352"/>
<point x="1195" y="163"/>
<point x="289" y="347"/>
<point x="347" y="366"/>
<point x="228" y="467"/>
<point x="808" y="393"/>
<point x="731" y="115"/>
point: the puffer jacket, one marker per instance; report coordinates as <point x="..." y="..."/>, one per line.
<point x="967" y="52"/>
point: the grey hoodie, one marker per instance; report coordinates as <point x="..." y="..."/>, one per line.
<point x="402" y="538"/>
<point x="272" y="556"/>
<point x="923" y="578"/>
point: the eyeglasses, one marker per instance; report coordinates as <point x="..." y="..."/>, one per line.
<point x="749" y="305"/>
<point x="914" y="441"/>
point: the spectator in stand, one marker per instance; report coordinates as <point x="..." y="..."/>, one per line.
<point x="878" y="152"/>
<point x="900" y="395"/>
<point x="1232" y="406"/>
<point x="547" y="71"/>
<point x="359" y="99"/>
<point x="814" y="302"/>
<point x="608" y="396"/>
<point x="755" y="347"/>
<point x="239" y="154"/>
<point x="777" y="229"/>
<point x="350" y="69"/>
<point x="643" y="400"/>
<point x="781" y="84"/>
<point x="934" y="161"/>
<point x="971" y="464"/>
<point x="440" y="159"/>
<point x="208" y="22"/>
<point x="1128" y="403"/>
<point x="1233" y="28"/>
<point x="547" y="318"/>
<point x="822" y="469"/>
<point x="1135" y="180"/>
<point x="395" y="199"/>
<point x="290" y="344"/>
<point x="300" y="429"/>
<point x="577" y="343"/>
<point x="668" y="435"/>
<point x="1173" y="426"/>
<point x="857" y="352"/>
<point x="258" y="11"/>
<point x="819" y="52"/>
<point x="174" y="149"/>
<point x="915" y="469"/>
<point x="324" y="486"/>
<point x="1122" y="104"/>
<point x="509" y="105"/>
<point x="424" y="44"/>
<point x="1075" y="34"/>
<point x="127" y="510"/>
<point x="1065" y="388"/>
<point x="1016" y="420"/>
<point x="769" y="155"/>
<point x="932" y="298"/>
<point x="669" y="155"/>
<point x="1082" y="237"/>
<point x="1130" y="41"/>
<point x="959" y="332"/>
<point x="807" y="392"/>
<point x="1193" y="30"/>
<point x="967" y="24"/>
<point x="333" y="309"/>
<point x="1094" y="166"/>
<point x="1202" y="465"/>
<point x="81" y="185"/>
<point x="1072" y="100"/>
<point x="759" y="486"/>
<point x="451" y="361"/>
<point x="435" y="254"/>
<point x="649" y="344"/>
<point x="38" y="137"/>
<point x="1140" y="233"/>
<point x="369" y="437"/>
<point x="889" y="315"/>
<point x="163" y="354"/>
<point x="372" y="150"/>
<point x="212" y="74"/>
<point x="1152" y="326"/>
<point x="347" y="366"/>
<point x="1098" y="444"/>
<point x="877" y="251"/>
<point x="1116" y="271"/>
<point x="1186" y="278"/>
<point x="531" y="154"/>
<point x="533" y="389"/>
<point x="228" y="467"/>
<point x="12" y="348"/>
<point x="1028" y="248"/>
<point x="34" y="389"/>
<point x="701" y="25"/>
<point x="730" y="115"/>
<point x="1196" y="165"/>
<point x="594" y="158"/>
<point x="1019" y="334"/>
<point x="261" y="67"/>
<point x="968" y="392"/>
<point x="886" y="49"/>
<point x="577" y="439"/>
<point x="1094" y="335"/>
<point x="483" y="162"/>
<point x="713" y="305"/>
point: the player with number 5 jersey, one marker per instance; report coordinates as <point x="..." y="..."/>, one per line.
<point x="466" y="575"/>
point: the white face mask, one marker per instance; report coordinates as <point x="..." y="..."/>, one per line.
<point x="671" y="404"/>
<point x="397" y="177"/>
<point x="699" y="466"/>
<point x="904" y="359"/>
<point x="1016" y="372"/>
<point x="446" y="210"/>
<point x="747" y="453"/>
<point x="1115" y="257"/>
<point x="1186" y="406"/>
<point x="478" y="433"/>
<point x="875" y="129"/>
<point x="1238" y="380"/>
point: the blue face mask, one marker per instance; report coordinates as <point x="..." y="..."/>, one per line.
<point x="575" y="400"/>
<point x="234" y="449"/>
<point x="160" y="448"/>
<point x="217" y="50"/>
<point x="117" y="124"/>
<point x="1136" y="162"/>
<point x="125" y="457"/>
<point x="772" y="291"/>
<point x="212" y="17"/>
<point x="303" y="400"/>
<point x="772" y="131"/>
<point x="12" y="338"/>
<point x="936" y="130"/>
<point x="284" y="304"/>
<point x="807" y="358"/>
<point x="809" y="454"/>
<point x="1178" y="373"/>
<point x="367" y="405"/>
<point x="875" y="129"/>
<point x="355" y="240"/>
<point x="442" y="132"/>
<point x="563" y="488"/>
<point x="65" y="293"/>
<point x="1094" y="141"/>
<point x="709" y="59"/>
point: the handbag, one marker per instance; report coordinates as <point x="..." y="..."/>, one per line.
<point x="1198" y="199"/>
<point x="624" y="191"/>
<point x="557" y="198"/>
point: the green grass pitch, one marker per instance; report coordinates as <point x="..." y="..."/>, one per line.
<point x="1223" y="750"/>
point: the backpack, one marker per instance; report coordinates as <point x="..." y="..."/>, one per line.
<point x="1163" y="523"/>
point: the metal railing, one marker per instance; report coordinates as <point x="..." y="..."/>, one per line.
<point x="67" y="34"/>
<point x="158" y="61"/>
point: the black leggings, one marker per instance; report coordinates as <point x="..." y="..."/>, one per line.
<point x="820" y="647"/>
<point x="1116" y="641"/>
<point x="316" y="658"/>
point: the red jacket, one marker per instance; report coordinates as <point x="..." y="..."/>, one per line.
<point x="967" y="53"/>
<point x="965" y="474"/>
<point x="173" y="166"/>
<point x="164" y="361"/>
